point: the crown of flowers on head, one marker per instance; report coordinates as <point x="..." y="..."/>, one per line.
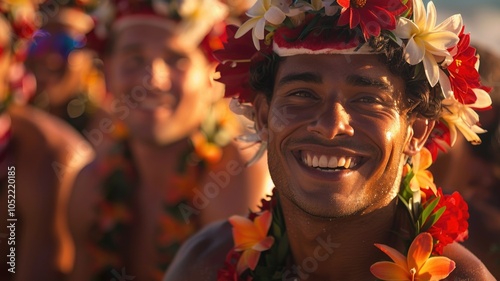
<point x="197" y="21"/>
<point x="344" y="27"/>
<point x="72" y="13"/>
<point x="18" y="24"/>
<point x="18" y="28"/>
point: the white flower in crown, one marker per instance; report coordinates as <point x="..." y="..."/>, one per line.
<point x="272" y="11"/>
<point x="317" y="5"/>
<point x="463" y="117"/>
<point x="196" y="22"/>
<point x="426" y="41"/>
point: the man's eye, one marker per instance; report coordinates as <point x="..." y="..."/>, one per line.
<point x="369" y="99"/>
<point x="133" y="61"/>
<point x="302" y="94"/>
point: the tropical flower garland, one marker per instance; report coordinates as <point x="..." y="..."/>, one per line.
<point x="118" y="170"/>
<point x="261" y="250"/>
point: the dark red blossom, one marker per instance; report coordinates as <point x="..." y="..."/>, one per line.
<point x="463" y="73"/>
<point x="452" y="225"/>
<point x="371" y="15"/>
<point x="439" y="140"/>
<point x="235" y="61"/>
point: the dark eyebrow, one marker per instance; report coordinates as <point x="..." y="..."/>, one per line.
<point x="312" y="77"/>
<point x="364" y="81"/>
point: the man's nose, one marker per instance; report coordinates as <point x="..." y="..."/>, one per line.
<point x="160" y="75"/>
<point x="332" y="121"/>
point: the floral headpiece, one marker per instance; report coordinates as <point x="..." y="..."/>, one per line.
<point x="344" y="27"/>
<point x="19" y="24"/>
<point x="71" y="22"/>
<point x="18" y="28"/>
<point x="197" y="21"/>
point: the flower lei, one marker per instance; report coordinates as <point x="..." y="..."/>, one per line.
<point x="107" y="243"/>
<point x="261" y="250"/>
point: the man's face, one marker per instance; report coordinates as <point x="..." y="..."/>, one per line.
<point x="161" y="87"/>
<point x="336" y="133"/>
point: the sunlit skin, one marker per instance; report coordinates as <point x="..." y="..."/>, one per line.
<point x="337" y="106"/>
<point x="160" y="82"/>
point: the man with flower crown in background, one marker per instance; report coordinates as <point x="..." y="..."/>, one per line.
<point x="370" y="89"/>
<point x="176" y="167"/>
<point x="70" y="82"/>
<point x="40" y="157"/>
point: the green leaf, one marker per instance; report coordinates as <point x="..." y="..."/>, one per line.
<point x="428" y="210"/>
<point x="433" y="218"/>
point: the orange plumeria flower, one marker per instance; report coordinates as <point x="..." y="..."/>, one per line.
<point x="251" y="238"/>
<point x="417" y="266"/>
<point x="423" y="178"/>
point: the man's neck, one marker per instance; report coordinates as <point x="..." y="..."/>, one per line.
<point x="337" y="248"/>
<point x="155" y="164"/>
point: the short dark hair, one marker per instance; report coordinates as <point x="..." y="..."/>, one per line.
<point x="421" y="98"/>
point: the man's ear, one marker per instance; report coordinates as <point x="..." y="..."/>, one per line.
<point x="418" y="133"/>
<point x="261" y="106"/>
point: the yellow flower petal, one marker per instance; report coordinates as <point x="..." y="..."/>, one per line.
<point x="420" y="250"/>
<point x="385" y="270"/>
<point x="436" y="268"/>
<point x="396" y="256"/>
<point x="263" y="222"/>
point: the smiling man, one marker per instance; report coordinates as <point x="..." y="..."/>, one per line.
<point x="352" y="99"/>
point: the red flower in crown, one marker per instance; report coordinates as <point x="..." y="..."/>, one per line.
<point x="235" y="61"/>
<point x="438" y="140"/>
<point x="463" y="73"/>
<point x="452" y="225"/>
<point x="371" y="15"/>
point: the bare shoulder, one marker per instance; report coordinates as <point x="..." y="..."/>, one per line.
<point x="202" y="255"/>
<point x="468" y="266"/>
<point x="83" y="199"/>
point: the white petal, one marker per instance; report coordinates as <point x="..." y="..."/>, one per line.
<point x="405" y="28"/>
<point x="419" y="13"/>
<point x="483" y="99"/>
<point x="431" y="16"/>
<point x="258" y="31"/>
<point x="256" y="41"/>
<point x="431" y="69"/>
<point x="258" y="9"/>
<point x="415" y="51"/>
<point x="445" y="83"/>
<point x="245" y="27"/>
<point x="453" y="24"/>
<point x="440" y="42"/>
<point x="274" y="15"/>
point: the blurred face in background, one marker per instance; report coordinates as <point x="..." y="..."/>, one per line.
<point x="162" y="87"/>
<point x="59" y="68"/>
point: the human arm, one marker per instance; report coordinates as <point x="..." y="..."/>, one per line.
<point x="200" y="257"/>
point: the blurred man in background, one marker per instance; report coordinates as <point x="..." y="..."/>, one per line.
<point x="178" y="167"/>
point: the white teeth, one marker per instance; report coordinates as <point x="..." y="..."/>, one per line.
<point x="341" y="162"/>
<point x="315" y="161"/>
<point x="323" y="161"/>
<point x="347" y="162"/>
<point x="333" y="162"/>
